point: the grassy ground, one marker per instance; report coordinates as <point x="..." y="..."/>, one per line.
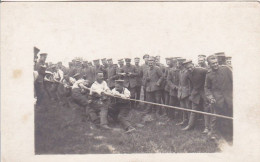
<point x="61" y="130"/>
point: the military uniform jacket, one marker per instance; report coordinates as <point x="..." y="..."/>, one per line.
<point x="219" y="85"/>
<point x="197" y="81"/>
<point x="130" y="80"/>
<point x="144" y="69"/>
<point x="173" y="81"/>
<point x="166" y="73"/>
<point x="184" y="87"/>
<point x="152" y="77"/>
<point x="112" y="76"/>
<point x="163" y="69"/>
<point x="139" y="76"/>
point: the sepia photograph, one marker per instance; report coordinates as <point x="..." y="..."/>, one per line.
<point x="130" y="79"/>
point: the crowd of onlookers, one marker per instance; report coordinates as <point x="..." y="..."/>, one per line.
<point x="207" y="86"/>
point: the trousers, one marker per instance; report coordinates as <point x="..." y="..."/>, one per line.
<point x="155" y="97"/>
<point x="119" y="112"/>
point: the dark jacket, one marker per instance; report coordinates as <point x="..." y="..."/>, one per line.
<point x="152" y="78"/>
<point x="112" y="76"/>
<point x="130" y="80"/>
<point x="197" y="80"/>
<point x="219" y="85"/>
<point x="139" y="77"/>
<point x="184" y="87"/>
<point x="173" y="81"/>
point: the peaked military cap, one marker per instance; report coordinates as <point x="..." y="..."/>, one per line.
<point x="103" y="59"/>
<point x="181" y="59"/>
<point x="187" y="62"/>
<point x="97" y="60"/>
<point x="203" y="56"/>
<point x="211" y="57"/>
<point x="220" y="54"/>
<point x="127" y="60"/>
<point x="146" y="55"/>
<point x="151" y="58"/>
<point x="119" y="82"/>
<point x="120" y="60"/>
<point x="43" y="54"/>
<point x="228" y="57"/>
<point x="110" y="59"/>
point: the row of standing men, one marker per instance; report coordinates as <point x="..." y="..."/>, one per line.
<point x="181" y="83"/>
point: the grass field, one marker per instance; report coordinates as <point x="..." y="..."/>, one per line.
<point x="62" y="130"/>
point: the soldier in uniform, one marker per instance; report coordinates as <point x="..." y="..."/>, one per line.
<point x="104" y="67"/>
<point x="162" y="68"/>
<point x="130" y="74"/>
<point x="88" y="72"/>
<point x="39" y="84"/>
<point x="90" y="64"/>
<point x="153" y="79"/>
<point x="41" y="62"/>
<point x="219" y="91"/>
<point x="202" y="61"/>
<point x="221" y="58"/>
<point x="80" y="93"/>
<point x="173" y="83"/>
<point x="144" y="69"/>
<point x="98" y="68"/>
<point x="138" y="79"/>
<point x="104" y="62"/>
<point x="120" y="107"/>
<point x="120" y="69"/>
<point x="183" y="91"/>
<point x="111" y="73"/>
<point x="169" y="62"/>
<point x="98" y="102"/>
<point x="196" y="78"/>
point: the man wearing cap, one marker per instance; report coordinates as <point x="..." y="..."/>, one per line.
<point x="111" y="73"/>
<point x="77" y="65"/>
<point x="221" y="58"/>
<point x="162" y="68"/>
<point x="196" y="78"/>
<point x="153" y="79"/>
<point x="219" y="91"/>
<point x="120" y="106"/>
<point x="41" y="61"/>
<point x="130" y="73"/>
<point x="80" y="93"/>
<point x="104" y="67"/>
<point x="202" y="61"/>
<point x="169" y="62"/>
<point x="120" y="68"/>
<point x="138" y="79"/>
<point x="144" y="69"/>
<point x="39" y="85"/>
<point x="97" y="67"/>
<point x="183" y="91"/>
<point x="88" y="72"/>
<point x="99" y="101"/>
<point x="173" y="82"/>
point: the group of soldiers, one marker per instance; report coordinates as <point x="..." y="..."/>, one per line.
<point x="113" y="89"/>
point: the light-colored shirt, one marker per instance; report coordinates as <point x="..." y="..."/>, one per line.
<point x="76" y="84"/>
<point x="124" y="94"/>
<point x="99" y="87"/>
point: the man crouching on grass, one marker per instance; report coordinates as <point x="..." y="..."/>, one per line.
<point x="120" y="107"/>
<point x="98" y="102"/>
